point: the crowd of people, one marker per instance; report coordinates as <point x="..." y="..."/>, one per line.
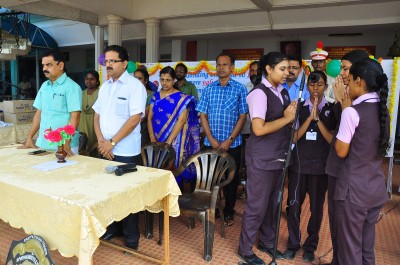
<point x="341" y="136"/>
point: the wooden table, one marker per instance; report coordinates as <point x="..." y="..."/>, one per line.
<point x="71" y="207"/>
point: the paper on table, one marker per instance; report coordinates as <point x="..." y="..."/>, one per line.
<point x="53" y="165"/>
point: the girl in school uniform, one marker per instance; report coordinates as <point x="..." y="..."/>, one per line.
<point x="334" y="163"/>
<point x="307" y="174"/>
<point x="270" y="112"/>
<point x="363" y="141"/>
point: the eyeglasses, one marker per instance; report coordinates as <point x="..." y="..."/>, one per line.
<point x="162" y="80"/>
<point x="293" y="67"/>
<point x="112" y="61"/>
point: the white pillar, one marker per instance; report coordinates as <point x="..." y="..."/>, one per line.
<point x="152" y="39"/>
<point x="98" y="45"/>
<point x="114" y="30"/>
<point x="176" y="55"/>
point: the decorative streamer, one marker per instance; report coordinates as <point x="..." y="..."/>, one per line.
<point x="393" y="91"/>
<point x="211" y="70"/>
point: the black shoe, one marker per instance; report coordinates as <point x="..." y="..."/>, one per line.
<point x="252" y="259"/>
<point x="270" y="251"/>
<point x="108" y="236"/>
<point x="217" y="215"/>
<point x="289" y="254"/>
<point x="132" y="245"/>
<point x="308" y="256"/>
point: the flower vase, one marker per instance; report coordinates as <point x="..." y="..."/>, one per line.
<point x="61" y="154"/>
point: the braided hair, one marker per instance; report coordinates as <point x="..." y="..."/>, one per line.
<point x="271" y="59"/>
<point x="375" y="79"/>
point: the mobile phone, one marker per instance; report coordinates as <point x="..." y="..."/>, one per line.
<point x="37" y="152"/>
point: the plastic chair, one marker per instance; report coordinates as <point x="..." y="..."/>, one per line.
<point x="83" y="140"/>
<point x="162" y="156"/>
<point x="214" y="170"/>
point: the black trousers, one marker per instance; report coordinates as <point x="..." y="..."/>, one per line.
<point x="230" y="190"/>
<point x="129" y="226"/>
<point x="316" y="187"/>
<point x="332" y="220"/>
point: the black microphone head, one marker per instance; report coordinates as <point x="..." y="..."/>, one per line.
<point x="119" y="172"/>
<point x="314" y="77"/>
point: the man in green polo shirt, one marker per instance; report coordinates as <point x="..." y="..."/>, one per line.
<point x="182" y="84"/>
<point x="58" y="103"/>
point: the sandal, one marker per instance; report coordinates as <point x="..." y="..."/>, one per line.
<point x="229" y="220"/>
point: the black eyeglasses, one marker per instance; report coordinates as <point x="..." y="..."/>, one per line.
<point x="111" y="61"/>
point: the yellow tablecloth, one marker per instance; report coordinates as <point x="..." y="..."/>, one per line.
<point x="71" y="207"/>
<point x="14" y="134"/>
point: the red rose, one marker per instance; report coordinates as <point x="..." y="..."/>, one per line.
<point x="69" y="129"/>
<point x="54" y="136"/>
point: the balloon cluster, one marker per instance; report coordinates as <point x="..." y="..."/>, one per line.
<point x="132" y="66"/>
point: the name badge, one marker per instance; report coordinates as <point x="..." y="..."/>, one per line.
<point x="311" y="136"/>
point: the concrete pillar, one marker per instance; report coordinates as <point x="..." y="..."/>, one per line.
<point x="114" y="30"/>
<point x="99" y="45"/>
<point x="176" y="55"/>
<point x="152" y="39"/>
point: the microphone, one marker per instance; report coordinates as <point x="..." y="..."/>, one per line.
<point x="120" y="171"/>
<point x="303" y="81"/>
<point x="112" y="169"/>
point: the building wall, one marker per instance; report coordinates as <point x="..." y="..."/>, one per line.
<point x="209" y="49"/>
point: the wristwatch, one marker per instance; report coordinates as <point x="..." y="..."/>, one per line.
<point x="112" y="142"/>
<point x="231" y="138"/>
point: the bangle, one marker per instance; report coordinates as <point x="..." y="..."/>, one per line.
<point x="152" y="135"/>
<point x="316" y="121"/>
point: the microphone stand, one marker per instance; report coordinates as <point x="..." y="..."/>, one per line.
<point x="285" y="166"/>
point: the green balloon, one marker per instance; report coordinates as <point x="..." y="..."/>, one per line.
<point x="131" y="67"/>
<point x="333" y="68"/>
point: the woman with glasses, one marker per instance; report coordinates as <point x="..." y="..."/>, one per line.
<point x="173" y="120"/>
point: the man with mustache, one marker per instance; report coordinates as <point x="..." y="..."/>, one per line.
<point x="182" y="84"/>
<point x="58" y="103"/>
<point x="292" y="84"/>
<point x="318" y="62"/>
<point x="223" y="110"/>
<point x="253" y="68"/>
<point x="118" y="110"/>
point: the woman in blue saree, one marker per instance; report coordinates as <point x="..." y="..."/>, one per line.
<point x="173" y="119"/>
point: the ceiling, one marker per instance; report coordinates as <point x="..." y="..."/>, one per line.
<point x="204" y="19"/>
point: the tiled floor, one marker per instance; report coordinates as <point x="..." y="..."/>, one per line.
<point x="187" y="245"/>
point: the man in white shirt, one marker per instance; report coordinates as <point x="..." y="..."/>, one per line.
<point x="118" y="111"/>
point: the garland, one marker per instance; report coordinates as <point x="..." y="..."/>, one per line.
<point x="393" y="92"/>
<point x="211" y="70"/>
